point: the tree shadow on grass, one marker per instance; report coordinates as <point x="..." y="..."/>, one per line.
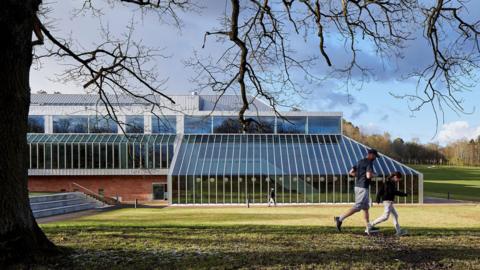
<point x="230" y="247"/>
<point x="420" y="258"/>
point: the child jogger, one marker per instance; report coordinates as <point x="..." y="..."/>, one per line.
<point x="387" y="194"/>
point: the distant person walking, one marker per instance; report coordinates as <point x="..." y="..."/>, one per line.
<point x="272" y="198"/>
<point x="387" y="194"/>
<point x="363" y="172"/>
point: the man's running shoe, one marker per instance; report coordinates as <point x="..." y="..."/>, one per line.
<point x="338" y="223"/>
<point x="371" y="230"/>
<point x="402" y="232"/>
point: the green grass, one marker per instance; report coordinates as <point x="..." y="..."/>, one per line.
<point x="33" y="194"/>
<point x="440" y="237"/>
<point x="463" y="183"/>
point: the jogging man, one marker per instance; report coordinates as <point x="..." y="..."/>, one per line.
<point x="364" y="173"/>
<point x="272" y="198"/>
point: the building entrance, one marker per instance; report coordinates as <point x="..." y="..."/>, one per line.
<point x="159" y="191"/>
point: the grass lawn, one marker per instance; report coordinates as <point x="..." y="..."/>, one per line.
<point x="463" y="183"/>
<point x="33" y="194"/>
<point x="441" y="237"/>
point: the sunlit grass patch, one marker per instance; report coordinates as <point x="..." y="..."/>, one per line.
<point x="261" y="237"/>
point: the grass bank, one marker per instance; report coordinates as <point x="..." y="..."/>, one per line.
<point x="463" y="183"/>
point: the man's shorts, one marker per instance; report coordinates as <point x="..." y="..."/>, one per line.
<point x="362" y="199"/>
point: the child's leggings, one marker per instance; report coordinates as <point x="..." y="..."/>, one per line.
<point x="388" y="208"/>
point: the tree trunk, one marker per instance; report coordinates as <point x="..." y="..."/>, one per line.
<point x="21" y="240"/>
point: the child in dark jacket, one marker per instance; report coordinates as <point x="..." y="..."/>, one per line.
<point x="387" y="194"/>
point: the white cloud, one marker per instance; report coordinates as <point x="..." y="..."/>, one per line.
<point x="371" y="129"/>
<point x="458" y="130"/>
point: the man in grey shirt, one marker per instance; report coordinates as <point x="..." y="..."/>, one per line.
<point x="364" y="173"/>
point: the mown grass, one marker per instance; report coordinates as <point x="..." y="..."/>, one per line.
<point x="269" y="238"/>
<point x="463" y="183"/>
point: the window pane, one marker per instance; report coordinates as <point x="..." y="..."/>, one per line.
<point x="164" y="124"/>
<point x="262" y="124"/>
<point x="197" y="124"/>
<point x="70" y="124"/>
<point x="292" y="124"/>
<point x="102" y="124"/>
<point x="36" y="124"/>
<point x="134" y="124"/>
<point x="226" y="124"/>
<point x="324" y="125"/>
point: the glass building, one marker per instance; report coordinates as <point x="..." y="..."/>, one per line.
<point x="191" y="155"/>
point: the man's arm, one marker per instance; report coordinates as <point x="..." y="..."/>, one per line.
<point x="353" y="171"/>
<point x="369" y="174"/>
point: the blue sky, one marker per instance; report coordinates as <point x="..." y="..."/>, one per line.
<point x="372" y="107"/>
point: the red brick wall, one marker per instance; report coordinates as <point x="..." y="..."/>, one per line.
<point x="127" y="187"/>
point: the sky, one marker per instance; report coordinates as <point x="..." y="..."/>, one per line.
<point x="372" y="107"/>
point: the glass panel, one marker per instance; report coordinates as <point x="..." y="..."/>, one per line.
<point x="226" y="124"/>
<point x="36" y="124"/>
<point x="102" y="124"/>
<point x="134" y="124"/>
<point x="262" y="124"/>
<point x="164" y="124"/>
<point x="324" y="125"/>
<point x="301" y="168"/>
<point x="70" y="124"/>
<point x="197" y="125"/>
<point x="292" y="125"/>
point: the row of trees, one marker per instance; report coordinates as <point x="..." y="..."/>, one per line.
<point x="462" y="152"/>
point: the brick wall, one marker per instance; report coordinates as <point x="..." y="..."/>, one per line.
<point x="127" y="187"/>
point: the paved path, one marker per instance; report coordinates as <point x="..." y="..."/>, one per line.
<point x="443" y="201"/>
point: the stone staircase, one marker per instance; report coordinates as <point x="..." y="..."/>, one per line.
<point x="62" y="203"/>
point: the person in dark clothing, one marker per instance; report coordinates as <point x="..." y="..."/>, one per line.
<point x="272" y="198"/>
<point x="363" y="172"/>
<point x="387" y="194"/>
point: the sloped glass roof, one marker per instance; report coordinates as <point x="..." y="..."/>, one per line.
<point x="273" y="154"/>
<point x="101" y="138"/>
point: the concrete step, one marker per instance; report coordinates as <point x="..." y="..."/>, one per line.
<point x="56" y="197"/>
<point x="55" y="204"/>
<point x="64" y="209"/>
<point x="62" y="203"/>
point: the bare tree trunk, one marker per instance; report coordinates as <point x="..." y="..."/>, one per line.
<point x="21" y="240"/>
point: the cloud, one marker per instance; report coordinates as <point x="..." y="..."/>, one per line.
<point x="371" y="128"/>
<point x="458" y="130"/>
<point x="335" y="101"/>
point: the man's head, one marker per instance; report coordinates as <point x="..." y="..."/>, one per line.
<point x="273" y="189"/>
<point x="372" y="154"/>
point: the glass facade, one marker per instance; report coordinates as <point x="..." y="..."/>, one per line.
<point x="304" y="159"/>
<point x="164" y="124"/>
<point x="100" y="151"/>
<point x="292" y="125"/>
<point x="231" y="124"/>
<point x="192" y="124"/>
<point x="197" y="124"/>
<point x="226" y="124"/>
<point x="102" y="124"/>
<point x="70" y="124"/>
<point x="134" y="124"/>
<point x="36" y="124"/>
<point x="324" y="125"/>
<point x="231" y="169"/>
